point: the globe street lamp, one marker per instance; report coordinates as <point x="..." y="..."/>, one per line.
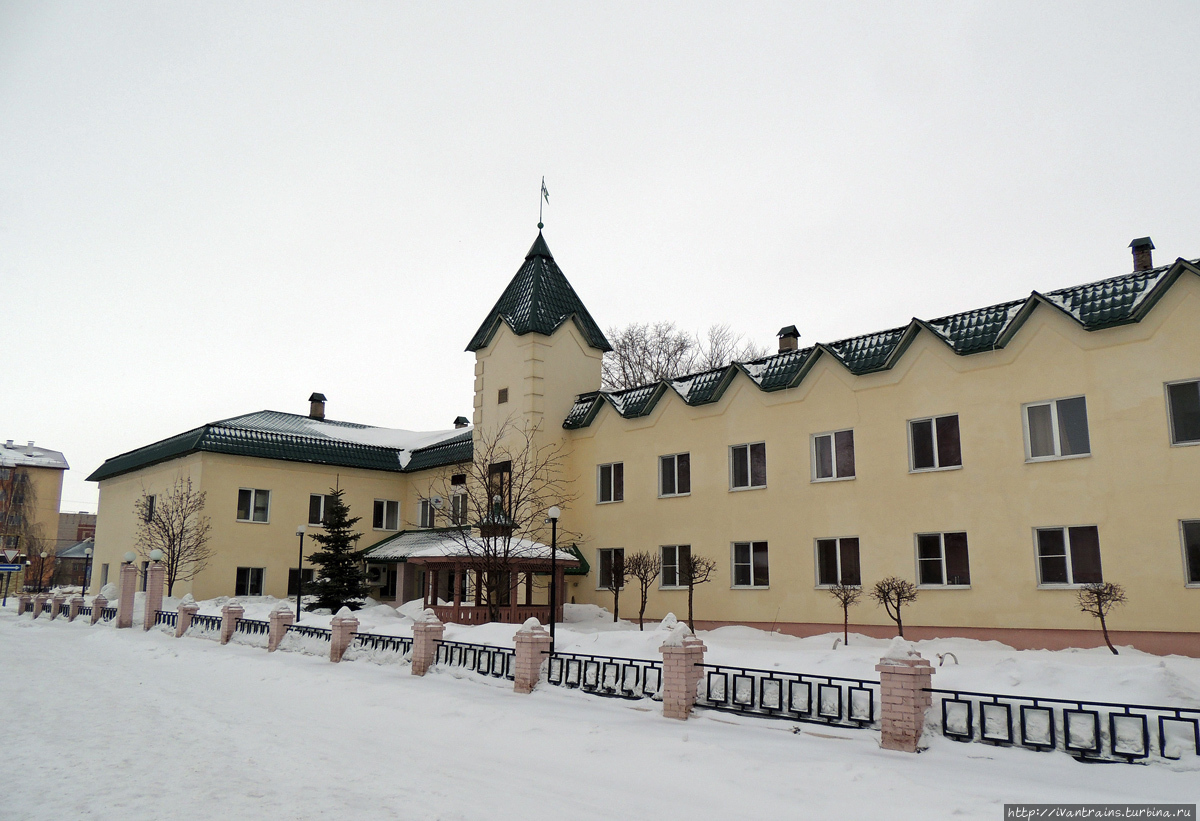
<point x="42" y="572"/>
<point x="552" y="517"/>
<point x="87" y="568"/>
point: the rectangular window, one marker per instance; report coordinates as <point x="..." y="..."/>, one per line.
<point x="1191" y="550"/>
<point x="675" y="474"/>
<point x="306" y="575"/>
<point x="1068" y="555"/>
<point x="458" y="509"/>
<point x="150" y="500"/>
<point x="612" y="568"/>
<point x="103" y="575"/>
<point x="427" y="514"/>
<point x="386" y="515"/>
<point x="748" y="466"/>
<point x="500" y="484"/>
<point x="318" y="508"/>
<point x="1056" y="429"/>
<point x="750" y="564"/>
<point x="942" y="559"/>
<point x="935" y="443"/>
<point x="501" y="396"/>
<point x="611" y="483"/>
<point x="833" y="455"/>
<point x="837" y="562"/>
<point x="1184" y="403"/>
<point x="249" y="581"/>
<point x="253" y="505"/>
<point x="672" y="556"/>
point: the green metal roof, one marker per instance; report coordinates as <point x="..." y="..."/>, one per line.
<point x="538" y="300"/>
<point x="1095" y="306"/>
<point x="291" y="438"/>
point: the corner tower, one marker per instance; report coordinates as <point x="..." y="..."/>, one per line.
<point x="537" y="349"/>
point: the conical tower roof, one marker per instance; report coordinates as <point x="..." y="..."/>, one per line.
<point x="538" y="300"/>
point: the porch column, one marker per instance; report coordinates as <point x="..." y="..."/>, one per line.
<point x="514" y="578"/>
<point x="478" y="588"/>
<point x="529" y="588"/>
<point x="458" y="580"/>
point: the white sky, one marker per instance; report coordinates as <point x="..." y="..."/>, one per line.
<point x="208" y="209"/>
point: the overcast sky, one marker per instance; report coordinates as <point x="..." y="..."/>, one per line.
<point x="208" y="209"/>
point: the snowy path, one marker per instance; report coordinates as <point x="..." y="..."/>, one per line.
<point x="108" y="724"/>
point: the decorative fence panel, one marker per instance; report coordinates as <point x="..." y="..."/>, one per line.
<point x="1091" y="730"/>
<point x="108" y="613"/>
<point x="606" y="676"/>
<point x="85" y="612"/>
<point x="208" y="627"/>
<point x="304" y="639"/>
<point x="374" y="645"/>
<point x="484" y="659"/>
<point x="167" y="617"/>
<point x="805" y="697"/>
<point x="252" y="631"/>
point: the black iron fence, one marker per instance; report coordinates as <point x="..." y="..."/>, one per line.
<point x="606" y="675"/>
<point x="108" y="613"/>
<point x="167" y="617"/>
<point x="319" y="633"/>
<point x="252" y="627"/>
<point x="376" y="641"/>
<point x="1091" y="730"/>
<point x="805" y="697"/>
<point x="85" y="610"/>
<point x="210" y="623"/>
<point x="484" y="659"/>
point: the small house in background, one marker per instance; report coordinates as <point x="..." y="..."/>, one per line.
<point x="31" y="480"/>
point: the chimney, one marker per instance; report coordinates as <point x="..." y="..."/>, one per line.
<point x="789" y="338"/>
<point x="1142" y="258"/>
<point x="8" y="444"/>
<point x="316" y="407"/>
<point x="29" y="449"/>
<point x="461" y="422"/>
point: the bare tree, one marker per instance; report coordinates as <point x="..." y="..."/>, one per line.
<point x="616" y="581"/>
<point x="645" y="567"/>
<point x="644" y="353"/>
<point x="18" y="529"/>
<point x="695" y="570"/>
<point x="893" y="593"/>
<point x="1098" y="599"/>
<point x="509" y="486"/>
<point x="847" y="595"/>
<point x="174" y="522"/>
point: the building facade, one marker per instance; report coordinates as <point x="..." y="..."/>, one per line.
<point x="999" y="458"/>
<point x="30" y="492"/>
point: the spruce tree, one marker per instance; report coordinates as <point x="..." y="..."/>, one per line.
<point x="341" y="580"/>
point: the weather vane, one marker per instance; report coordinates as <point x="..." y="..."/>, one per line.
<point x="544" y="197"/>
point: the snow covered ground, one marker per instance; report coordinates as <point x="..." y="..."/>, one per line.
<point x="124" y="724"/>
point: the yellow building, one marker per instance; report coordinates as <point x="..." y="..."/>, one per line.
<point x="999" y="458"/>
<point x="30" y="492"/>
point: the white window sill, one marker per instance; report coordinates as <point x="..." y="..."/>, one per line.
<point x="834" y="479"/>
<point x="610" y="502"/>
<point x="1193" y="585"/>
<point x="1061" y="586"/>
<point x="1029" y="460"/>
<point x="749" y="587"/>
<point x="747" y="487"/>
<point x="1188" y="444"/>
<point x="676" y="587"/>
<point x="936" y="470"/>
<point x="250" y="522"/>
<point x="384" y="529"/>
<point x="943" y="587"/>
<point x="831" y="586"/>
<point x="673" y="495"/>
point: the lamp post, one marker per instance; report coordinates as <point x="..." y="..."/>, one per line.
<point x="42" y="572"/>
<point x="299" y="571"/>
<point x="87" y="568"/>
<point x="553" y="514"/>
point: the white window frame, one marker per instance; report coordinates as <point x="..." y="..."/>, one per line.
<point x="1057" y="439"/>
<point x="733" y="546"/>
<point x="1170" y="414"/>
<point x="946" y="585"/>
<point x="599" y="581"/>
<point x="324" y="497"/>
<point x="1187" y="582"/>
<point x="658" y="474"/>
<point x="661" y="577"/>
<point x="262" y="581"/>
<point x="749" y="467"/>
<point x="458" y="518"/>
<point x="426" y="512"/>
<point x="612" y="483"/>
<point x="1070" y="584"/>
<point x="912" y="445"/>
<point x="812" y="456"/>
<point x="253" y="504"/>
<point x="838" y="555"/>
<point x="385" y="502"/>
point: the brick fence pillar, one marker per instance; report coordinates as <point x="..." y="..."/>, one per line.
<point x="24" y="602"/>
<point x="187" y="609"/>
<point x="56" y="603"/>
<point x="231" y="614"/>
<point x="427" y="633"/>
<point x="533" y="647"/>
<point x="156" y="579"/>
<point x="39" y="603"/>
<point x="681" y="652"/>
<point x="98" y="604"/>
<point x="129" y="574"/>
<point x="73" y="608"/>
<point x="281" y="619"/>
<point x="902" y="683"/>
<point x="341" y="633"/>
